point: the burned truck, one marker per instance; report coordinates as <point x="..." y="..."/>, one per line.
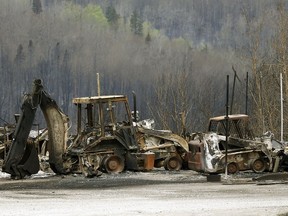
<point x="207" y="151"/>
<point x="107" y="139"/>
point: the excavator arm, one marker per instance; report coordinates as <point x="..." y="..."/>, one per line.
<point x="22" y="158"/>
<point x="57" y="124"/>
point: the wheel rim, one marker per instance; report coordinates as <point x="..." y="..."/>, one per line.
<point x="258" y="165"/>
<point x="113" y="164"/>
<point x="232" y="168"/>
<point x="172" y="163"/>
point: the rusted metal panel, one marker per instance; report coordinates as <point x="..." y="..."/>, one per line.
<point x="195" y="162"/>
<point x="195" y="156"/>
<point x="149" y="159"/>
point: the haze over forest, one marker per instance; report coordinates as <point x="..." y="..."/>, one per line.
<point x="174" y="54"/>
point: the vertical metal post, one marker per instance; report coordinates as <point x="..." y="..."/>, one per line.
<point x="246" y="104"/>
<point x="101" y="118"/>
<point x="135" y="106"/>
<point x="90" y="115"/>
<point x="262" y="105"/>
<point x="98" y="84"/>
<point x="233" y="90"/>
<point x="281" y="95"/>
<point x="79" y="117"/>
<point x="227" y="126"/>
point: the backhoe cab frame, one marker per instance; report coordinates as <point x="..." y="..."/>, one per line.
<point x="106" y="140"/>
<point x="101" y="115"/>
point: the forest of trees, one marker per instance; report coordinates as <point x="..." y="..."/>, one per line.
<point x="174" y="54"/>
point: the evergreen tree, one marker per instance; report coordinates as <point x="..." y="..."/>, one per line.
<point x="30" y="52"/>
<point x="20" y="57"/>
<point x="112" y="16"/>
<point x="148" y="38"/>
<point x="136" y="24"/>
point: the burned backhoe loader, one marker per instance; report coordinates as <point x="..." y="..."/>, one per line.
<point x="22" y="158"/>
<point x="244" y="151"/>
<point x="107" y="139"/>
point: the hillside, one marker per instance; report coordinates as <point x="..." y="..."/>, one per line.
<point x="174" y="54"/>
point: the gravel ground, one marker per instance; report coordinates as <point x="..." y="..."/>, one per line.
<point x="141" y="193"/>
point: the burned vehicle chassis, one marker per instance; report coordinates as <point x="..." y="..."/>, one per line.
<point x="207" y="151"/>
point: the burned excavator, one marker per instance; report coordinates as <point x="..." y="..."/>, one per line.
<point x="107" y="139"/>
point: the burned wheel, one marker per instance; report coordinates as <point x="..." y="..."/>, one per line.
<point x="113" y="164"/>
<point x="172" y="163"/>
<point x="258" y="165"/>
<point x="232" y="168"/>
